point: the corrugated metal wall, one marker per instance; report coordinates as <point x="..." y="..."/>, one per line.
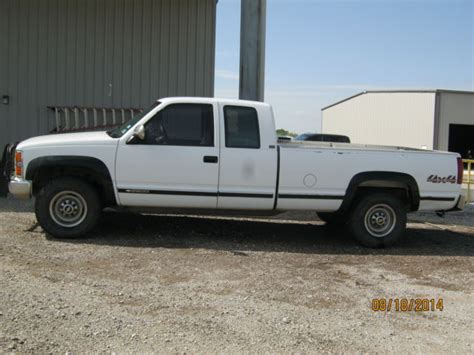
<point x="456" y="108"/>
<point x="391" y="118"/>
<point x="103" y="53"/>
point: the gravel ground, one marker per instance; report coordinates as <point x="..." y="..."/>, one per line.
<point x="146" y="283"/>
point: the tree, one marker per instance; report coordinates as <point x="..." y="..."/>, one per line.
<point x="284" y="132"/>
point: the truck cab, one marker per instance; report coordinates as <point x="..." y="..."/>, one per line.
<point x="199" y="153"/>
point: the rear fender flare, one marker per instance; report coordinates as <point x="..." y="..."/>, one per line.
<point x="382" y="179"/>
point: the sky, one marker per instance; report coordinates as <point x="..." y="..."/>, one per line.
<point x="321" y="51"/>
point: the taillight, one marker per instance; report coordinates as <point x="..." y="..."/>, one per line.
<point x="18" y="163"/>
<point x="460" y="171"/>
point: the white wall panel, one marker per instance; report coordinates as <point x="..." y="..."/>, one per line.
<point x="386" y="118"/>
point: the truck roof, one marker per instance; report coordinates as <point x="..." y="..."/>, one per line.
<point x="212" y="100"/>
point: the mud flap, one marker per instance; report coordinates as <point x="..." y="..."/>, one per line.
<point x="6" y="168"/>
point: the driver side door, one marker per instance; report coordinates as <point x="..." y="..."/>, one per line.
<point x="176" y="164"/>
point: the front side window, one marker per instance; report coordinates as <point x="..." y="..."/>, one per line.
<point x="241" y="127"/>
<point x="181" y="124"/>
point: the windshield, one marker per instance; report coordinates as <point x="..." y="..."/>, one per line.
<point x="121" y="130"/>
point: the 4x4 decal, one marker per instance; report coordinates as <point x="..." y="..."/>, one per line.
<point x="435" y="179"/>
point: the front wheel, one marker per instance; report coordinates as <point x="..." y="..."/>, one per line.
<point x="378" y="220"/>
<point x="67" y="208"/>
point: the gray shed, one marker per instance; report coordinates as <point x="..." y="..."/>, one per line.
<point x="98" y="59"/>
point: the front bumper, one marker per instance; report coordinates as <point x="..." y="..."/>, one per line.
<point x="20" y="188"/>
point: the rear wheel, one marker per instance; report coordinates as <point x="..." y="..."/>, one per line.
<point x="378" y="220"/>
<point x="67" y="208"/>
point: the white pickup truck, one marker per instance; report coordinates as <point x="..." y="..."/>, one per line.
<point x="206" y="155"/>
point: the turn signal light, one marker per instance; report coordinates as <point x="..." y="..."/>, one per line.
<point x="18" y="163"/>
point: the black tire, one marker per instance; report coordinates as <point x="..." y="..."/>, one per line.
<point x="378" y="220"/>
<point x="67" y="208"/>
<point x="333" y="218"/>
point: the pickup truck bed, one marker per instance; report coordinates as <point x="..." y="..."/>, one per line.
<point x="339" y="164"/>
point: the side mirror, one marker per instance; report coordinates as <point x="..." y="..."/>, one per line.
<point x="138" y="135"/>
<point x="139" y="132"/>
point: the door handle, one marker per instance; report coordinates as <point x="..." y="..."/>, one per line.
<point x="210" y="159"/>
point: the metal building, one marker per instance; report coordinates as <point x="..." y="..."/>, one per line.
<point x="436" y="119"/>
<point x="99" y="54"/>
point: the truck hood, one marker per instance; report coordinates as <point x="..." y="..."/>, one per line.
<point x="67" y="139"/>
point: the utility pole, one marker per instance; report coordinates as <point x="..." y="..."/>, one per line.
<point x="252" y="49"/>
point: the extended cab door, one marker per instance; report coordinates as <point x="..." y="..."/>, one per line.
<point x="248" y="157"/>
<point x="177" y="164"/>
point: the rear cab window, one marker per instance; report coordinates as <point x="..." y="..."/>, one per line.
<point x="241" y="127"/>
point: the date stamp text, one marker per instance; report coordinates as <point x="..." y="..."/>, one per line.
<point x="407" y="304"/>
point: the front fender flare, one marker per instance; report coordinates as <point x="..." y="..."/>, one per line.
<point x="86" y="164"/>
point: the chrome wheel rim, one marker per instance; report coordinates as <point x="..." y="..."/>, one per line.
<point x="380" y="220"/>
<point x="68" y="209"/>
